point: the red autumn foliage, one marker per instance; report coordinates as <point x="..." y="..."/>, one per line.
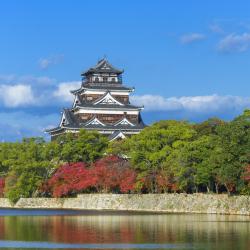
<point x="68" y="179"/>
<point x="230" y="186"/>
<point x="158" y="182"/>
<point x="113" y="174"/>
<point x="246" y="174"/>
<point x="165" y="182"/>
<point x="2" y="185"/>
<point x="110" y="174"/>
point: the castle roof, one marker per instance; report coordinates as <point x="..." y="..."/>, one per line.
<point x="69" y="116"/>
<point x="102" y="104"/>
<point x="103" y="66"/>
<point x="109" y="127"/>
<point x="108" y="106"/>
<point x="110" y="87"/>
<point x="116" y="135"/>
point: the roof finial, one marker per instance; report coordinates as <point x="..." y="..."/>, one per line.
<point x="105" y="57"/>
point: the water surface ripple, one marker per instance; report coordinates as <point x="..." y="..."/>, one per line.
<point x="63" y="229"/>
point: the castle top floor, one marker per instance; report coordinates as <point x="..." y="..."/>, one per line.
<point x="102" y="73"/>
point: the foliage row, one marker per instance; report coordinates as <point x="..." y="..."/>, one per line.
<point x="169" y="156"/>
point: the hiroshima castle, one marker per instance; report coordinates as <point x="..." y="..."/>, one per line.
<point x="101" y="103"/>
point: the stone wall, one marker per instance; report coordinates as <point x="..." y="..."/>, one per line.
<point x="170" y="203"/>
<point x="5" y="203"/>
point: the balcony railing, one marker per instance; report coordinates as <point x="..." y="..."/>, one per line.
<point x="96" y="81"/>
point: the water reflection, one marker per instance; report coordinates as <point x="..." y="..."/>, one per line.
<point x="205" y="231"/>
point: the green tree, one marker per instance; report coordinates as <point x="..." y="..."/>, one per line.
<point x="234" y="138"/>
<point x="85" y="146"/>
<point x="208" y="127"/>
<point x="27" y="168"/>
<point x="25" y="179"/>
<point x="148" y="150"/>
<point x="192" y="163"/>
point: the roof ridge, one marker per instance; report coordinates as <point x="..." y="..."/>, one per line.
<point x="99" y="65"/>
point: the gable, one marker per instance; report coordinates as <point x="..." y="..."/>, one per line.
<point x="94" y="121"/>
<point x="124" y="121"/>
<point x="108" y="99"/>
<point x="119" y="135"/>
<point x="76" y="101"/>
<point x="63" y="120"/>
<point x="105" y="66"/>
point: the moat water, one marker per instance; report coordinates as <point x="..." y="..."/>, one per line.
<point x="62" y="229"/>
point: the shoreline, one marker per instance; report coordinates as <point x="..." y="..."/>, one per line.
<point x="141" y="203"/>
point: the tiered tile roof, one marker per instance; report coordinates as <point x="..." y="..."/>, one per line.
<point x="98" y="105"/>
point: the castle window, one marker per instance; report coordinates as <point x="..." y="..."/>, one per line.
<point x="105" y="79"/>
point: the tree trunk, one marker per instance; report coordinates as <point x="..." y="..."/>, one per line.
<point x="216" y="188"/>
<point x="228" y="190"/>
<point x="208" y="190"/>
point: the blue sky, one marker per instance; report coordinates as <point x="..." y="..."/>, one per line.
<point x="186" y="59"/>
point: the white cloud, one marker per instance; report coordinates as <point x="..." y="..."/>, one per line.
<point x="16" y="95"/>
<point x="44" y="63"/>
<point x="234" y="43"/>
<point x="192" y="37"/>
<point x="30" y="91"/>
<point x="63" y="90"/>
<point x="155" y="102"/>
<point x="26" y="95"/>
<point x="201" y="104"/>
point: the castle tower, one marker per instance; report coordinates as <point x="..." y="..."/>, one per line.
<point x="102" y="104"/>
